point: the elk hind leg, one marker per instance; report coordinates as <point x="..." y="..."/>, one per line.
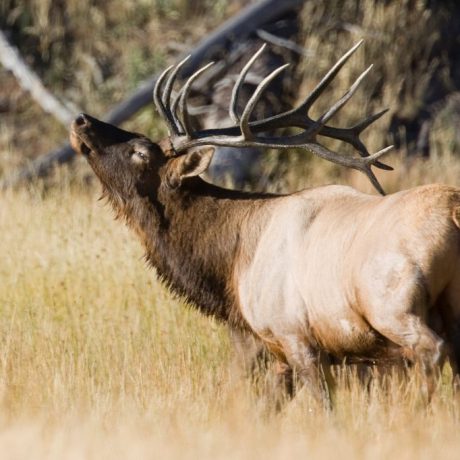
<point x="420" y="344"/>
<point x="449" y="307"/>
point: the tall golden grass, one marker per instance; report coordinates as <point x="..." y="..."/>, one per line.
<point x="97" y="360"/>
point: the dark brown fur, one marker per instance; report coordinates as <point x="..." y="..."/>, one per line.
<point x="191" y="233"/>
<point x="195" y="243"/>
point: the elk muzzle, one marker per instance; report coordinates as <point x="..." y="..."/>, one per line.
<point x="88" y="134"/>
<point x="77" y="134"/>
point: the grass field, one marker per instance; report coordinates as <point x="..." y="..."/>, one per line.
<point x="98" y="361"/>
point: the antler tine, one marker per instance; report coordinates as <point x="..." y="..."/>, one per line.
<point x="362" y="125"/>
<point x="374" y="181"/>
<point x="183" y="110"/>
<point x="360" y="164"/>
<point x="174" y="105"/>
<point x="372" y="160"/>
<point x="318" y="90"/>
<point x="244" y="123"/>
<point x="172" y="78"/>
<point x="362" y="149"/>
<point x="344" y="99"/>
<point x="157" y="88"/>
<point x="237" y="86"/>
<point x="351" y="136"/>
<point x="168" y="90"/>
<point x="323" y="119"/>
<point x="162" y="109"/>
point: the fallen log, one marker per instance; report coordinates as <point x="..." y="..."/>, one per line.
<point x="236" y="28"/>
<point x="30" y="82"/>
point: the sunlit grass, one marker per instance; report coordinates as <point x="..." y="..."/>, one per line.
<point x="97" y="360"/>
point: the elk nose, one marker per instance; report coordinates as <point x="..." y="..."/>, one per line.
<point x="81" y="120"/>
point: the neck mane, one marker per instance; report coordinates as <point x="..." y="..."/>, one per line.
<point x="193" y="237"/>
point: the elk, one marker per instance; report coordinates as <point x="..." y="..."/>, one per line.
<point x="327" y="270"/>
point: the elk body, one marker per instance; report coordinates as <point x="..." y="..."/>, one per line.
<point x="327" y="269"/>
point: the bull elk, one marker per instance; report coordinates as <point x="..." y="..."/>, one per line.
<point x="324" y="270"/>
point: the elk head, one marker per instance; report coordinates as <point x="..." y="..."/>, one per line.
<point x="129" y="163"/>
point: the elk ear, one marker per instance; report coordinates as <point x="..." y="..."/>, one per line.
<point x="190" y="165"/>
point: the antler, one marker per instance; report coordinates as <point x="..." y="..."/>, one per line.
<point x="244" y="132"/>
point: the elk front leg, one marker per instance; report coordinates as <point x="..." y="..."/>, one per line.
<point x="251" y="356"/>
<point x="252" y="359"/>
<point x="309" y="368"/>
<point x="284" y="378"/>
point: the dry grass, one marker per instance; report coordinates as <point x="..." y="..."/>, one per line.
<point x="98" y="361"/>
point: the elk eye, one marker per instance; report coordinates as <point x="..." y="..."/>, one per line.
<point x="140" y="155"/>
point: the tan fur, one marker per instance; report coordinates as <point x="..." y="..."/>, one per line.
<point x="456" y="216"/>
<point x="353" y="274"/>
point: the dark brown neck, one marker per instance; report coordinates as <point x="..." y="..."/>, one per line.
<point x="193" y="236"/>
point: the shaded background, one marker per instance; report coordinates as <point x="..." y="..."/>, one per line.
<point x="92" y="54"/>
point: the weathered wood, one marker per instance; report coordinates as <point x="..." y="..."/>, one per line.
<point x="237" y="28"/>
<point x="30" y="82"/>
